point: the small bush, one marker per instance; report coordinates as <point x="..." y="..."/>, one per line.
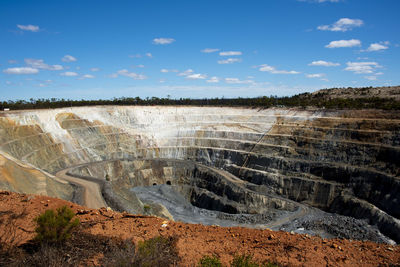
<point x="121" y="255"/>
<point x="55" y="228"/>
<point x="157" y="251"/>
<point x="47" y="255"/>
<point x="210" y="261"/>
<point x="146" y="208"/>
<point x="247" y="261"/>
<point x="243" y="261"/>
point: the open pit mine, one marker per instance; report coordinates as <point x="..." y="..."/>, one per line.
<point x="328" y="173"/>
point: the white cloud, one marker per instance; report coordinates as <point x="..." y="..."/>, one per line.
<point x="68" y="58"/>
<point x="139" y="55"/>
<point x="163" y="41"/>
<point x="230" y="53"/>
<point x="21" y="70"/>
<point x="94" y="69"/>
<point x="315" y="75"/>
<point x="378" y="46"/>
<point x="135" y="76"/>
<point x="45" y="83"/>
<point x="323" y="63"/>
<point x="31" y="28"/>
<point x="88" y="76"/>
<point x="342" y="25"/>
<point x="167" y="70"/>
<point x="273" y="70"/>
<point x="69" y="74"/>
<point x="39" y="64"/>
<point x="186" y="72"/>
<point x="362" y="67"/>
<point x="344" y="43"/>
<point x="12" y="61"/>
<point x="196" y="76"/>
<point x="213" y="79"/>
<point x="140" y="66"/>
<point x="210" y="50"/>
<point x="238" y="81"/>
<point x="229" y="61"/>
<point x="189" y="74"/>
<point x="371" y="78"/>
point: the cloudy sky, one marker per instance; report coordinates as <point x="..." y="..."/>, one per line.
<point x="195" y="48"/>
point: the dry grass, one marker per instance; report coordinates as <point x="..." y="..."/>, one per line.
<point x="10" y="236"/>
<point x="157" y="251"/>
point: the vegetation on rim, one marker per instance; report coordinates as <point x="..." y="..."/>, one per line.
<point x="361" y="99"/>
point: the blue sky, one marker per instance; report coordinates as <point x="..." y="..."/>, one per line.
<point x="105" y="49"/>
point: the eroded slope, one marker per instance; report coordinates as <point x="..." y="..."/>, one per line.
<point x="233" y="160"/>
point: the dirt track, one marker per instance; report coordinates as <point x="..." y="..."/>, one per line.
<point x="92" y="196"/>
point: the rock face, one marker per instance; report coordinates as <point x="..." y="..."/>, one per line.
<point x="22" y="178"/>
<point x="235" y="160"/>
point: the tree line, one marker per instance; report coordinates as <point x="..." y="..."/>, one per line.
<point x="302" y="101"/>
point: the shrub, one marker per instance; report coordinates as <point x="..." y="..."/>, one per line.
<point x="120" y="255"/>
<point x="243" y="261"/>
<point x="157" y="251"/>
<point x="247" y="261"/>
<point x="210" y="261"/>
<point x="146" y="208"/>
<point x="55" y="227"/>
<point x="47" y="255"/>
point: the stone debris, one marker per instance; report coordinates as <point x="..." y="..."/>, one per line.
<point x="107" y="213"/>
<point x="82" y="211"/>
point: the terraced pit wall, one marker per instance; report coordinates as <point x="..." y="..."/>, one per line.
<point x="347" y="162"/>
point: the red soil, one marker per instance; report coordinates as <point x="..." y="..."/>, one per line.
<point x="195" y="241"/>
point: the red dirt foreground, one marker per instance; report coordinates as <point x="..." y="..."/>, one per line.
<point x="195" y="241"/>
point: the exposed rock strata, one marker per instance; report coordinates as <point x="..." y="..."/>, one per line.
<point x="242" y="160"/>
